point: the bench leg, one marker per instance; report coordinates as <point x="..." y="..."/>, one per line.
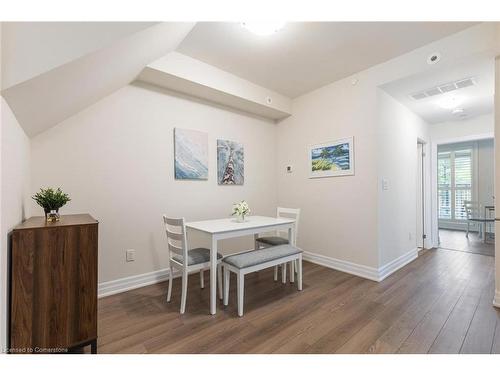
<point x="241" y="291"/>
<point x="219" y="280"/>
<point x="292" y="271"/>
<point x="283" y="273"/>
<point x="275" y="273"/>
<point x="299" y="273"/>
<point x="226" y="285"/>
<point x="202" y="280"/>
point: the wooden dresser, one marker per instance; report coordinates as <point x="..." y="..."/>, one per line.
<point x="53" y="285"/>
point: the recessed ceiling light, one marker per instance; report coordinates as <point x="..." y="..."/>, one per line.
<point x="450" y="102"/>
<point x="433" y="58"/>
<point x="263" y="28"/>
<point x="458" y="111"/>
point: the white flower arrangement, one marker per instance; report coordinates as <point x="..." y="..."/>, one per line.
<point x="241" y="209"/>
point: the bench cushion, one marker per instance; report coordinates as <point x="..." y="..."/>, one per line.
<point x="273" y="240"/>
<point x="255" y="257"/>
<point x="196" y="256"/>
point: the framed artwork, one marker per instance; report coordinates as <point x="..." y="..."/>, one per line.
<point x="332" y="158"/>
<point x="191" y="154"/>
<point x="230" y="163"/>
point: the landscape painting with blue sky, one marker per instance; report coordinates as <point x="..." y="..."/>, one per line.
<point x="331" y="158"/>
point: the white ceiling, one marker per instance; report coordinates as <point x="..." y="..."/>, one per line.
<point x="51" y="97"/>
<point x="477" y="99"/>
<point x="32" y="48"/>
<point x="304" y="56"/>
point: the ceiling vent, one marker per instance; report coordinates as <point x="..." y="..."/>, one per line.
<point x="443" y="89"/>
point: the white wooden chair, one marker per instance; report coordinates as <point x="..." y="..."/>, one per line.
<point x="185" y="260"/>
<point x="472" y="211"/>
<point x="278" y="239"/>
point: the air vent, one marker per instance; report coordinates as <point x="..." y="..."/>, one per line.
<point x="419" y="95"/>
<point x="442" y="89"/>
<point x="434" y="91"/>
<point x="447" y="88"/>
<point x="465" y="83"/>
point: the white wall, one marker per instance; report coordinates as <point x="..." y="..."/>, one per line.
<point x="451" y="130"/>
<point x="399" y="131"/>
<point x="339" y="214"/>
<point x="15" y="192"/>
<point x="486" y="171"/>
<point x="115" y="160"/>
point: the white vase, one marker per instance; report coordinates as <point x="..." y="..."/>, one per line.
<point x="240" y="218"/>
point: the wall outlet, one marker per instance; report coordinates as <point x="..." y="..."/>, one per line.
<point x="130" y="255"/>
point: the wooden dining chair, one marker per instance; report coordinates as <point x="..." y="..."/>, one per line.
<point x="281" y="238"/>
<point x="186" y="260"/>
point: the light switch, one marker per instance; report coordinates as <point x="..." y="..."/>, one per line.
<point x="385" y="184"/>
<point x="289" y="169"/>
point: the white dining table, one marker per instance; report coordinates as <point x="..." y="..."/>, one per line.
<point x="220" y="229"/>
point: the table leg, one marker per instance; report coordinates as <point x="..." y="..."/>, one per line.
<point x="213" y="276"/>
<point x="291" y="240"/>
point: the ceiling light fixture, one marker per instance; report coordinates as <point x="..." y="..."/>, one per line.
<point x="263" y="28"/>
<point x="450" y="102"/>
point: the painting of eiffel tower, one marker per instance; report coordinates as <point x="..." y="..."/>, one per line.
<point x="230" y="162"/>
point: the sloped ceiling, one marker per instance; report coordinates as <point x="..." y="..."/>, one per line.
<point x="33" y="48"/>
<point x="49" y="98"/>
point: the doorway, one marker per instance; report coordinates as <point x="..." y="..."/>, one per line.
<point x="465" y="196"/>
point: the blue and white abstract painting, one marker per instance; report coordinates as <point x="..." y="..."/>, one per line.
<point x="191" y="154"/>
<point x="230" y="163"/>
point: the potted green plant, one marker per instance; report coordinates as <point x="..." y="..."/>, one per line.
<point x="51" y="200"/>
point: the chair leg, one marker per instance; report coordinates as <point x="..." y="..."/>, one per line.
<point x="184" y="290"/>
<point x="219" y="279"/>
<point x="202" y="280"/>
<point x="226" y="286"/>
<point x="170" y="280"/>
<point x="241" y="291"/>
<point x="292" y="271"/>
<point x="299" y="273"/>
<point x="467" y="233"/>
<point x="283" y="273"/>
<point x="275" y="273"/>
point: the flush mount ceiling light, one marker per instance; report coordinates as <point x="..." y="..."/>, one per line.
<point x="263" y="28"/>
<point x="451" y="102"/>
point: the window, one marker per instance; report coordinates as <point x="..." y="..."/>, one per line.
<point x="454" y="183"/>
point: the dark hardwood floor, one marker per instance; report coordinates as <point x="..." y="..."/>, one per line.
<point x="456" y="240"/>
<point x="440" y="303"/>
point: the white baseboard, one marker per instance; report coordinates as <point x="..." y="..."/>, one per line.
<point x="496" y="299"/>
<point x="342" y="265"/>
<point x="394" y="265"/>
<point x="109" y="288"/>
<point x="370" y="273"/>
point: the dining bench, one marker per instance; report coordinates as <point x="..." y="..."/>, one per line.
<point x="257" y="260"/>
